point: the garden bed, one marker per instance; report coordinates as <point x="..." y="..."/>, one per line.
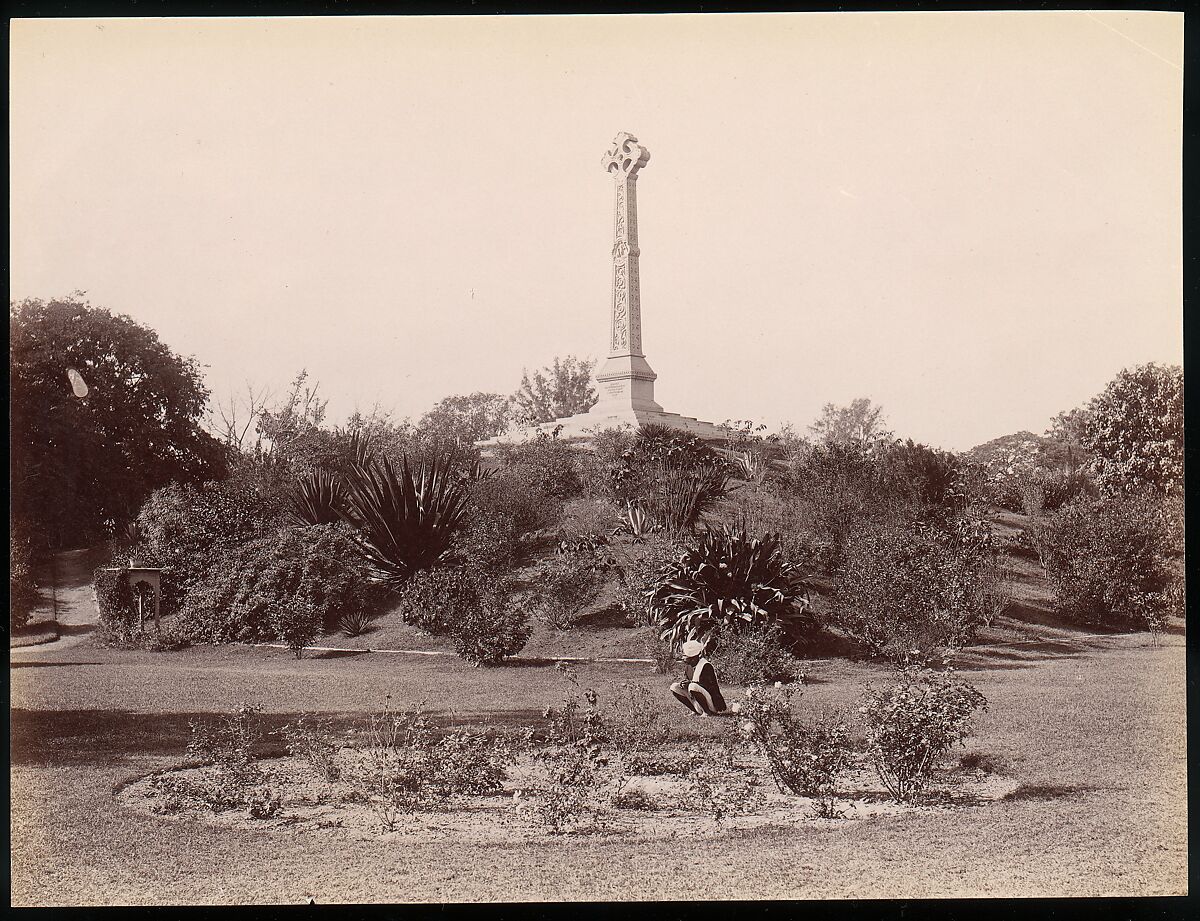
<point x="668" y="806"/>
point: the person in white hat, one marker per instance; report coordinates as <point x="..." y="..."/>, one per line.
<point x="701" y="694"/>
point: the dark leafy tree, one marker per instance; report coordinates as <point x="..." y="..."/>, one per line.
<point x="102" y="413"/>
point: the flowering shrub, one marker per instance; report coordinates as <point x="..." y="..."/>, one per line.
<point x="234" y="780"/>
<point x="910" y="589"/>
<point x="240" y="595"/>
<point x="570" y="764"/>
<point x="913" y="724"/>
<point x="804" y="757"/>
<point x="402" y="765"/>
<point x="1114" y="561"/>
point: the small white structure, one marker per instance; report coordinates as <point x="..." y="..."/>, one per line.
<point x="625" y="381"/>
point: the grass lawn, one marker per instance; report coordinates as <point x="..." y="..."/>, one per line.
<point x="1093" y="728"/>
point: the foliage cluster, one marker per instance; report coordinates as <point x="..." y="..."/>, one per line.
<point x="908" y="590"/>
<point x="1115" y="561"/>
<point x="289" y="585"/>
<point x="806" y="757"/>
<point x="728" y="579"/>
<point x="184" y="528"/>
<point x="914" y="723"/>
<point x="22" y="589"/>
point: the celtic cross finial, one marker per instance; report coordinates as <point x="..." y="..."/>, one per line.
<point x="626" y="157"/>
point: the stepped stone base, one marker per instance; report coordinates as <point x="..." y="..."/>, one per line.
<point x="582" y="427"/>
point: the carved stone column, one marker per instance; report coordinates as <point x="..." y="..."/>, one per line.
<point x="625" y="379"/>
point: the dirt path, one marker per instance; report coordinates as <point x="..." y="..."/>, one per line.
<point x="66" y="596"/>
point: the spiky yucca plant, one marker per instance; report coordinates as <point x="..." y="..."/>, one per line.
<point x="684" y="494"/>
<point x="319" y="498"/>
<point x="405" y="517"/>
<point x="729" y="580"/>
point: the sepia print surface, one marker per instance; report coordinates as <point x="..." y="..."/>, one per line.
<point x="421" y="491"/>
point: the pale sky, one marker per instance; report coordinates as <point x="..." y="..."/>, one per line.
<point x="973" y="219"/>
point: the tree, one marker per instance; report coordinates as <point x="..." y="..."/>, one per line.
<point x="561" y="390"/>
<point x="1134" y="430"/>
<point x="88" y="449"/>
<point x="858" y="423"/>
<point x="468" y="419"/>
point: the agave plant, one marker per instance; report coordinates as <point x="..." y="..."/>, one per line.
<point x="355" y="623"/>
<point x="319" y="498"/>
<point x="406" y="518"/>
<point x="728" y="580"/>
<point x="635" y="521"/>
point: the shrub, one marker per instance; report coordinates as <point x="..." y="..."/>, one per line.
<point x="753" y="654"/>
<point x="482" y="614"/>
<point x="392" y="770"/>
<point x="22" y="590"/>
<point x="505" y="508"/>
<point x="1112" y="561"/>
<point x="768" y="508"/>
<point x="490" y="628"/>
<point x="312" y="740"/>
<point x="910" y="589"/>
<point x="589" y="518"/>
<point x="632" y="723"/>
<point x="563" y="587"/>
<point x="570" y="764"/>
<point x="840" y="484"/>
<point x="297" y="623"/>
<point x="924" y="475"/>
<point x="120" y="620"/>
<point x="402" y="764"/>
<point x="913" y="724"/>
<point x="638" y="564"/>
<point x="547" y="465"/>
<point x="804" y="757"/>
<point x="406" y="518"/>
<point x="433" y="599"/>
<point x="237" y="598"/>
<point x="727" y="580"/>
<point x="183" y="528"/>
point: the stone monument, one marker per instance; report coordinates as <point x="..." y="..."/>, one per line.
<point x="625" y="381"/>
